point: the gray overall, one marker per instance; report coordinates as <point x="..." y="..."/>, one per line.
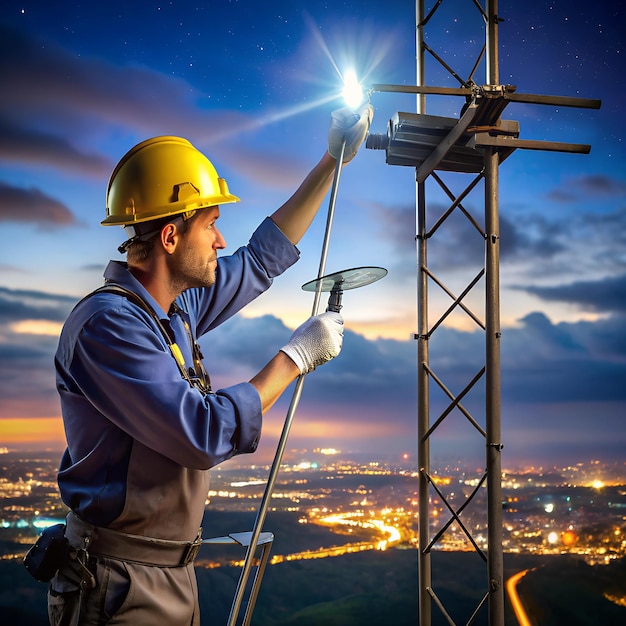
<point x="139" y="571"/>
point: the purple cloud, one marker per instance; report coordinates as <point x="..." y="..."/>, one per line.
<point x="32" y="206"/>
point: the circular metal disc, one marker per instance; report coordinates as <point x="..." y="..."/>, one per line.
<point x="346" y="279"/>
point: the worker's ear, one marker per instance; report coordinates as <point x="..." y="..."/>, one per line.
<point x="169" y="237"/>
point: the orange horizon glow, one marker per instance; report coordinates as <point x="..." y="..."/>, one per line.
<point x="20" y="431"/>
<point x="48" y="432"/>
<point x="36" y="327"/>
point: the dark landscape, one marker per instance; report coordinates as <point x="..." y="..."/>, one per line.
<point x="366" y="589"/>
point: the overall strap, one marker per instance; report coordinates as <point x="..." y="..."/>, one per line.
<point x="141" y="303"/>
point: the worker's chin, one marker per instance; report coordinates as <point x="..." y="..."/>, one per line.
<point x="211" y="276"/>
<point x="207" y="279"/>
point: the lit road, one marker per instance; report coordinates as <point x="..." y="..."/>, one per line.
<point x="348" y="519"/>
<point x="516" y="603"/>
<point x="393" y="536"/>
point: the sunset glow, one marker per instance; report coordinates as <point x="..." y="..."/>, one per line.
<point x="37" y="327"/>
<point x="35" y="431"/>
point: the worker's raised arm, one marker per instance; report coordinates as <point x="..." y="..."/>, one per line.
<point x="295" y="216"/>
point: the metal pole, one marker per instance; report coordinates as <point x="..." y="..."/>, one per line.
<point x="419" y="54"/>
<point x="492" y="42"/>
<point x="493" y="407"/>
<point x="423" y="413"/>
<point x="295" y="399"/>
<point x="495" y="562"/>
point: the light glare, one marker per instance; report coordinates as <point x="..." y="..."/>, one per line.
<point x="352" y="92"/>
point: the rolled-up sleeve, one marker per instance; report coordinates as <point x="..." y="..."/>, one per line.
<point x="272" y="248"/>
<point x="246" y="397"/>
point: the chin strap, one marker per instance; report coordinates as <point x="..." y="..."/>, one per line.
<point x="136" y="232"/>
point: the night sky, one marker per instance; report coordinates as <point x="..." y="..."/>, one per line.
<point x="252" y="85"/>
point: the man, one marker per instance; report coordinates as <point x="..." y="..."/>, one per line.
<point x="142" y="423"/>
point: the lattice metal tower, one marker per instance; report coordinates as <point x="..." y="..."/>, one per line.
<point x="473" y="145"/>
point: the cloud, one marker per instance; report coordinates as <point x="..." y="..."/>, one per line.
<point x="557" y="248"/>
<point x="537" y="249"/>
<point x="6" y="268"/>
<point x="50" y="94"/>
<point x="563" y="433"/>
<point x="241" y="347"/>
<point x="18" y="144"/>
<point x="540" y="360"/>
<point x="458" y="244"/>
<point x="530" y="239"/>
<point x="605" y="295"/>
<point x="565" y="362"/>
<point x="93" y="267"/>
<point x="371" y="386"/>
<point x="18" y="305"/>
<point x="274" y="171"/>
<point x="556" y="380"/>
<point x="32" y="206"/>
<point x="45" y="84"/>
<point x="591" y="186"/>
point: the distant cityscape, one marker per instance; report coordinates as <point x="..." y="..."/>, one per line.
<point x="579" y="510"/>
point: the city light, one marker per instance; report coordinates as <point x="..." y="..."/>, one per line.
<point x="568" y="538"/>
<point x="371" y="506"/>
<point x="328" y="451"/>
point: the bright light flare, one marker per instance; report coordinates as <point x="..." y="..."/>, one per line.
<point x="352" y="91"/>
<point x="347" y="47"/>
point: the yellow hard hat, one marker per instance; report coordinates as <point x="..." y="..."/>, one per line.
<point x="162" y="177"/>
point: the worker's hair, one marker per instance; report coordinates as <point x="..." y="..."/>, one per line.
<point x="140" y="250"/>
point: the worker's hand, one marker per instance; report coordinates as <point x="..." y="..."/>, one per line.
<point x="316" y="341"/>
<point x="351" y="126"/>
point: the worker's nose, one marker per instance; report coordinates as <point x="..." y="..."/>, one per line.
<point x="220" y="242"/>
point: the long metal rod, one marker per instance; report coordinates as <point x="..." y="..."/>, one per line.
<point x="423" y="417"/>
<point x="295" y="400"/>
<point x="423" y="414"/>
<point x="495" y="564"/>
<point x="493" y="401"/>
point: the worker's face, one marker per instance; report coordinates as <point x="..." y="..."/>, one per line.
<point x="196" y="255"/>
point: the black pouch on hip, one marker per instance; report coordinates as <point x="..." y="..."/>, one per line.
<point x="48" y="554"/>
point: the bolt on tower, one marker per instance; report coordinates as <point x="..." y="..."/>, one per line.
<point x="469" y="147"/>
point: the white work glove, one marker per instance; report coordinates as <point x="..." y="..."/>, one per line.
<point x="349" y="125"/>
<point x="316" y="341"/>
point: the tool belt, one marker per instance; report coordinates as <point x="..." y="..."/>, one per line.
<point x="113" y="544"/>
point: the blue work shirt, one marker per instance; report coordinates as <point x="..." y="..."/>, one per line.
<point x="140" y="438"/>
